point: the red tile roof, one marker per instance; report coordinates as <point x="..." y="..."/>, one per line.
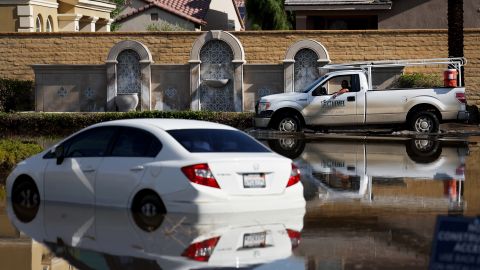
<point x="192" y="10"/>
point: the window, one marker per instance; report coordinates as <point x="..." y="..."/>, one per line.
<point x="132" y="142"/>
<point x="154" y="16"/>
<point x="91" y="143"/>
<point x="38" y="24"/>
<point x="334" y="85"/>
<point x="231" y="25"/>
<point x="338" y="181"/>
<point x="49" y="27"/>
<point x="216" y="140"/>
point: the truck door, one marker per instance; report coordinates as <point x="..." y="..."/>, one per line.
<point x="328" y="106"/>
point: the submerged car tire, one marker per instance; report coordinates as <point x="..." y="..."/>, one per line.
<point x="424" y="151"/>
<point x="288" y="123"/>
<point x="424" y="122"/>
<point x="148" y="210"/>
<point x="25" y="200"/>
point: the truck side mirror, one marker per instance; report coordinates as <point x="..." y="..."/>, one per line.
<point x="323" y="91"/>
<point x="320" y="91"/>
<point x="59" y="154"/>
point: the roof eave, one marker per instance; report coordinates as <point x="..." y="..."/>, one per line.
<point x="339" y="7"/>
<point x="168" y="9"/>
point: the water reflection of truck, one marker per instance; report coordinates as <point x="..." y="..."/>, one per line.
<point x="347" y="169"/>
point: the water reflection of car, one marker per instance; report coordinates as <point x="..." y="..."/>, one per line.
<point x="347" y="168"/>
<point x="92" y="237"/>
<point x="160" y="165"/>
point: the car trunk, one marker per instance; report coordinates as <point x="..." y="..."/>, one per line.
<point x="247" y="174"/>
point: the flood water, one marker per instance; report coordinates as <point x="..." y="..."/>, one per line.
<point x="371" y="204"/>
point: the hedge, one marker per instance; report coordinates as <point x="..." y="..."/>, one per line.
<point x="14" y="151"/>
<point x="59" y="124"/>
<point x="419" y="80"/>
<point x="16" y="95"/>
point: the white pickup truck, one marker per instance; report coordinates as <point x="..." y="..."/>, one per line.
<point x="346" y="98"/>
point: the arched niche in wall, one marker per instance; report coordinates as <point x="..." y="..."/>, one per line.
<point x="301" y="64"/>
<point x="216" y="72"/>
<point x="128" y="71"/>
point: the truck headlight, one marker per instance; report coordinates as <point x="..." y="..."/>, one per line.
<point x="263" y="106"/>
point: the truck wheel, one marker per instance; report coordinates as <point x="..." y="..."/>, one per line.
<point x="424" y="122"/>
<point x="288" y="147"/>
<point x="288" y="123"/>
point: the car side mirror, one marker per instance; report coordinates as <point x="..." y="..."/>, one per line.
<point x="59" y="154"/>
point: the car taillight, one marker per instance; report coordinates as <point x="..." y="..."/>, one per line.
<point x="294" y="176"/>
<point x="294" y="237"/>
<point x="201" y="251"/>
<point x="461" y="97"/>
<point x="200" y="174"/>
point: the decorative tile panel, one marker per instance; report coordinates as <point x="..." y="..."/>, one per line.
<point x="216" y="57"/>
<point x="62" y="92"/>
<point x="171" y="92"/>
<point x="89" y="93"/>
<point x="305" y="68"/>
<point x="264" y="91"/>
<point x="128" y="72"/>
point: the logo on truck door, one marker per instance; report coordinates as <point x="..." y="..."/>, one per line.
<point x="333" y="103"/>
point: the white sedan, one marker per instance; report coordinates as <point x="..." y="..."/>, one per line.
<point x="159" y="165"/>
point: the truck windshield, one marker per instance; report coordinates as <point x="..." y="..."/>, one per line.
<point x="313" y="84"/>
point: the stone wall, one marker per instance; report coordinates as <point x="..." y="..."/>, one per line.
<point x="18" y="51"/>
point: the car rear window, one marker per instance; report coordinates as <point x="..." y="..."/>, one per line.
<point x="216" y="140"/>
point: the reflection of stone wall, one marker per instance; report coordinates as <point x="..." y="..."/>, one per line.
<point x="70" y="88"/>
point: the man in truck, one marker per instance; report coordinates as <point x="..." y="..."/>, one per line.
<point x="344" y="89"/>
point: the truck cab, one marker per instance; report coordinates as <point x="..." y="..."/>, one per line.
<point x="318" y="104"/>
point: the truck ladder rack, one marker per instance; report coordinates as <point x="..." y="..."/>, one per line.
<point x="367" y="66"/>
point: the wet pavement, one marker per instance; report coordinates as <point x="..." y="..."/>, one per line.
<point x="373" y="202"/>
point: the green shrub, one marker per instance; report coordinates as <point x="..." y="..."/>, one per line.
<point x="3" y="194"/>
<point x="14" y="151"/>
<point x="16" y="95"/>
<point x="419" y="80"/>
<point x="60" y="124"/>
<point x="165" y="26"/>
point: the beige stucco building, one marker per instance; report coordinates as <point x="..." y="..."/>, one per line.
<point x="192" y="15"/>
<point x="378" y="14"/>
<point x="55" y="15"/>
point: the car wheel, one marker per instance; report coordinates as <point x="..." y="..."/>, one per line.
<point x="25" y="200"/>
<point x="148" y="211"/>
<point x="424" y="122"/>
<point x="288" y="123"/>
<point x="424" y="151"/>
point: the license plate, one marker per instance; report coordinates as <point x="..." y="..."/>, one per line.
<point x="254" y="240"/>
<point x="254" y="180"/>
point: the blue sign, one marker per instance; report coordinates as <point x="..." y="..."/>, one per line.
<point x="456" y="244"/>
